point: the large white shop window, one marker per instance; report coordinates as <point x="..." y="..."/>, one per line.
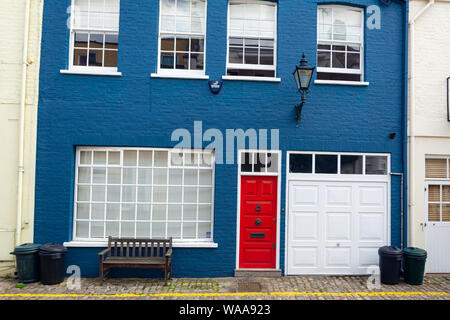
<point x="144" y="193"/>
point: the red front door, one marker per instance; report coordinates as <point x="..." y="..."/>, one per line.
<point x="258" y="222"/>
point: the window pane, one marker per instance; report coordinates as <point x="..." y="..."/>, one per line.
<point x="167" y="60"/>
<point x="159" y="194"/>
<point x="190" y="194"/>
<point x="246" y="162"/>
<point x="204" y="230"/>
<point x="128" y="193"/>
<point x="338" y="60"/>
<point x="80" y="57"/>
<point x="114" y="175"/>
<point x="204" y="212"/>
<point x="351" y="164"/>
<point x="189" y="230"/>
<point x="236" y="55"/>
<point x="113" y="194"/>
<point x="174" y="229"/>
<point x="129" y="158"/>
<point x="251" y="55"/>
<point x="159" y="212"/>
<point x="196" y="62"/>
<point x="175" y="176"/>
<point x="436" y="168"/>
<point x="434" y="212"/>
<point x="127" y="229"/>
<point x="434" y="193"/>
<point x="97" y="229"/>
<point x="98" y="211"/>
<point x="175" y="194"/>
<point x="326" y="163"/>
<point x="197" y="45"/>
<point x="114" y="157"/>
<point x="96" y="40"/>
<point x="300" y="163"/>
<point x="143" y="229"/>
<point x="190" y="212"/>
<point x="445" y="193"/>
<point x="85" y="157"/>
<point x="95" y="58"/>
<point x="160" y="176"/>
<point x="376" y="165"/>
<point x="260" y="162"/>
<point x="204" y="195"/>
<point x="182" y="60"/>
<point x="145" y="158"/>
<point x="272" y="162"/>
<point x="112" y="229"/>
<point x="82" y="228"/>
<point x="323" y="59"/>
<point x="112" y="41"/>
<point x="84" y="175"/>
<point x="190" y="176"/>
<point x="98" y="193"/>
<point x="353" y="61"/>
<point x="99" y="175"/>
<point x="110" y="58"/>
<point x="168" y="6"/>
<point x="81" y="40"/>
<point x="112" y="211"/>
<point x="82" y="211"/>
<point x="445" y="212"/>
<point x="161" y="158"/>
<point x="83" y="193"/>
<point x="129" y="175"/>
<point x="182" y="44"/>
<point x="158" y="229"/>
<point x="144" y="194"/>
<point x="143" y="212"/>
<point x="205" y="177"/>
<point x="266" y="56"/>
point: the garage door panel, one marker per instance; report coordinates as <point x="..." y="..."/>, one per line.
<point x="337" y="257"/>
<point x="304" y="195"/>
<point x="335" y="227"/>
<point x="371" y="226"/>
<point x="338" y="226"/>
<point x="372" y="196"/>
<point x="304" y="257"/>
<point x="338" y="196"/>
<point x="367" y="256"/>
<point x="305" y="226"/>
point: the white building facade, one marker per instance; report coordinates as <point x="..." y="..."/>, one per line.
<point x="429" y="132"/>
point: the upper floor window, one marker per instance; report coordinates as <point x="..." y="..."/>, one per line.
<point x="182" y="30"/>
<point x="94" y="35"/>
<point x="251" y="38"/>
<point x="340" y="38"/>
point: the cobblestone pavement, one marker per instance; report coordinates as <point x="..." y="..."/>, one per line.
<point x="436" y="287"/>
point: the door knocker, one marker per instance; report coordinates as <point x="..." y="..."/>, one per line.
<point x="258" y="208"/>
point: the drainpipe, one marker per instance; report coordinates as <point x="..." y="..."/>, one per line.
<point x="412" y="114"/>
<point x="22" y="124"/>
<point x="401" y="206"/>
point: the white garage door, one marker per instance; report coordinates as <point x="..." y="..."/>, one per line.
<point x="335" y="226"/>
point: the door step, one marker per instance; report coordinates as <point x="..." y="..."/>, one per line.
<point x="257" y="273"/>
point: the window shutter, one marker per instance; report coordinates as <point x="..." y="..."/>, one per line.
<point x="436" y="168"/>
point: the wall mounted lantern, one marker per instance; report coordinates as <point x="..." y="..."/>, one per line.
<point x="302" y="74"/>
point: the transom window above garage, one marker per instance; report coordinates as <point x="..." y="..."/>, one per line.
<point x="337" y="163"/>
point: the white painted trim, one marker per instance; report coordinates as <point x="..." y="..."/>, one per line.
<point x="249" y="66"/>
<point x="92" y="73"/>
<point x="342" y="83"/>
<point x="245" y="78"/>
<point x="238" y="208"/>
<point x="175" y="244"/>
<point x="174" y="34"/>
<point x="179" y="76"/>
<point x="337" y="177"/>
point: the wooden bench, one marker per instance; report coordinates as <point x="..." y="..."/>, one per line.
<point x="136" y="253"/>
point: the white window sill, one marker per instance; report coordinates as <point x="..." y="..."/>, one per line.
<point x="175" y="244"/>
<point x="92" y="73"/>
<point x="342" y="83"/>
<point x="179" y="76"/>
<point x="245" y="78"/>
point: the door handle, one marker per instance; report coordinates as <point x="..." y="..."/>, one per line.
<point x="258" y="222"/>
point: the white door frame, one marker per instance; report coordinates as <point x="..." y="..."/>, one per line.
<point x="335" y="177"/>
<point x="238" y="210"/>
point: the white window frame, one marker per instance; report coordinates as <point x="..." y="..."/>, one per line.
<point x="89" y="70"/>
<point x="359" y="71"/>
<point x="238" y="206"/>
<point x="338" y="175"/>
<point x="96" y="242"/>
<point x="441" y="183"/>
<point x="252" y="66"/>
<point x="181" y="73"/>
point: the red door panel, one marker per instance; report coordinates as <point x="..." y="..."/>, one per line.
<point x="258" y="224"/>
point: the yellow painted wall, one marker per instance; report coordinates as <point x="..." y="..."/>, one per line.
<point x="12" y="24"/>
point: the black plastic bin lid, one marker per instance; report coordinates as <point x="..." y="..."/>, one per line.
<point x="27" y="248"/>
<point x="50" y="248"/>
<point x="390" y="251"/>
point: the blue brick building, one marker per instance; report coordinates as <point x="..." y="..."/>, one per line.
<point x="123" y="84"/>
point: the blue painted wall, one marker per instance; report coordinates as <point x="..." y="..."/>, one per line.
<point x="139" y="111"/>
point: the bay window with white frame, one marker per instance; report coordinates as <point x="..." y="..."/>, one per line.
<point x="144" y="193"/>
<point x="94" y="36"/>
<point x="251" y="38"/>
<point x="340" y="39"/>
<point x="182" y="29"/>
